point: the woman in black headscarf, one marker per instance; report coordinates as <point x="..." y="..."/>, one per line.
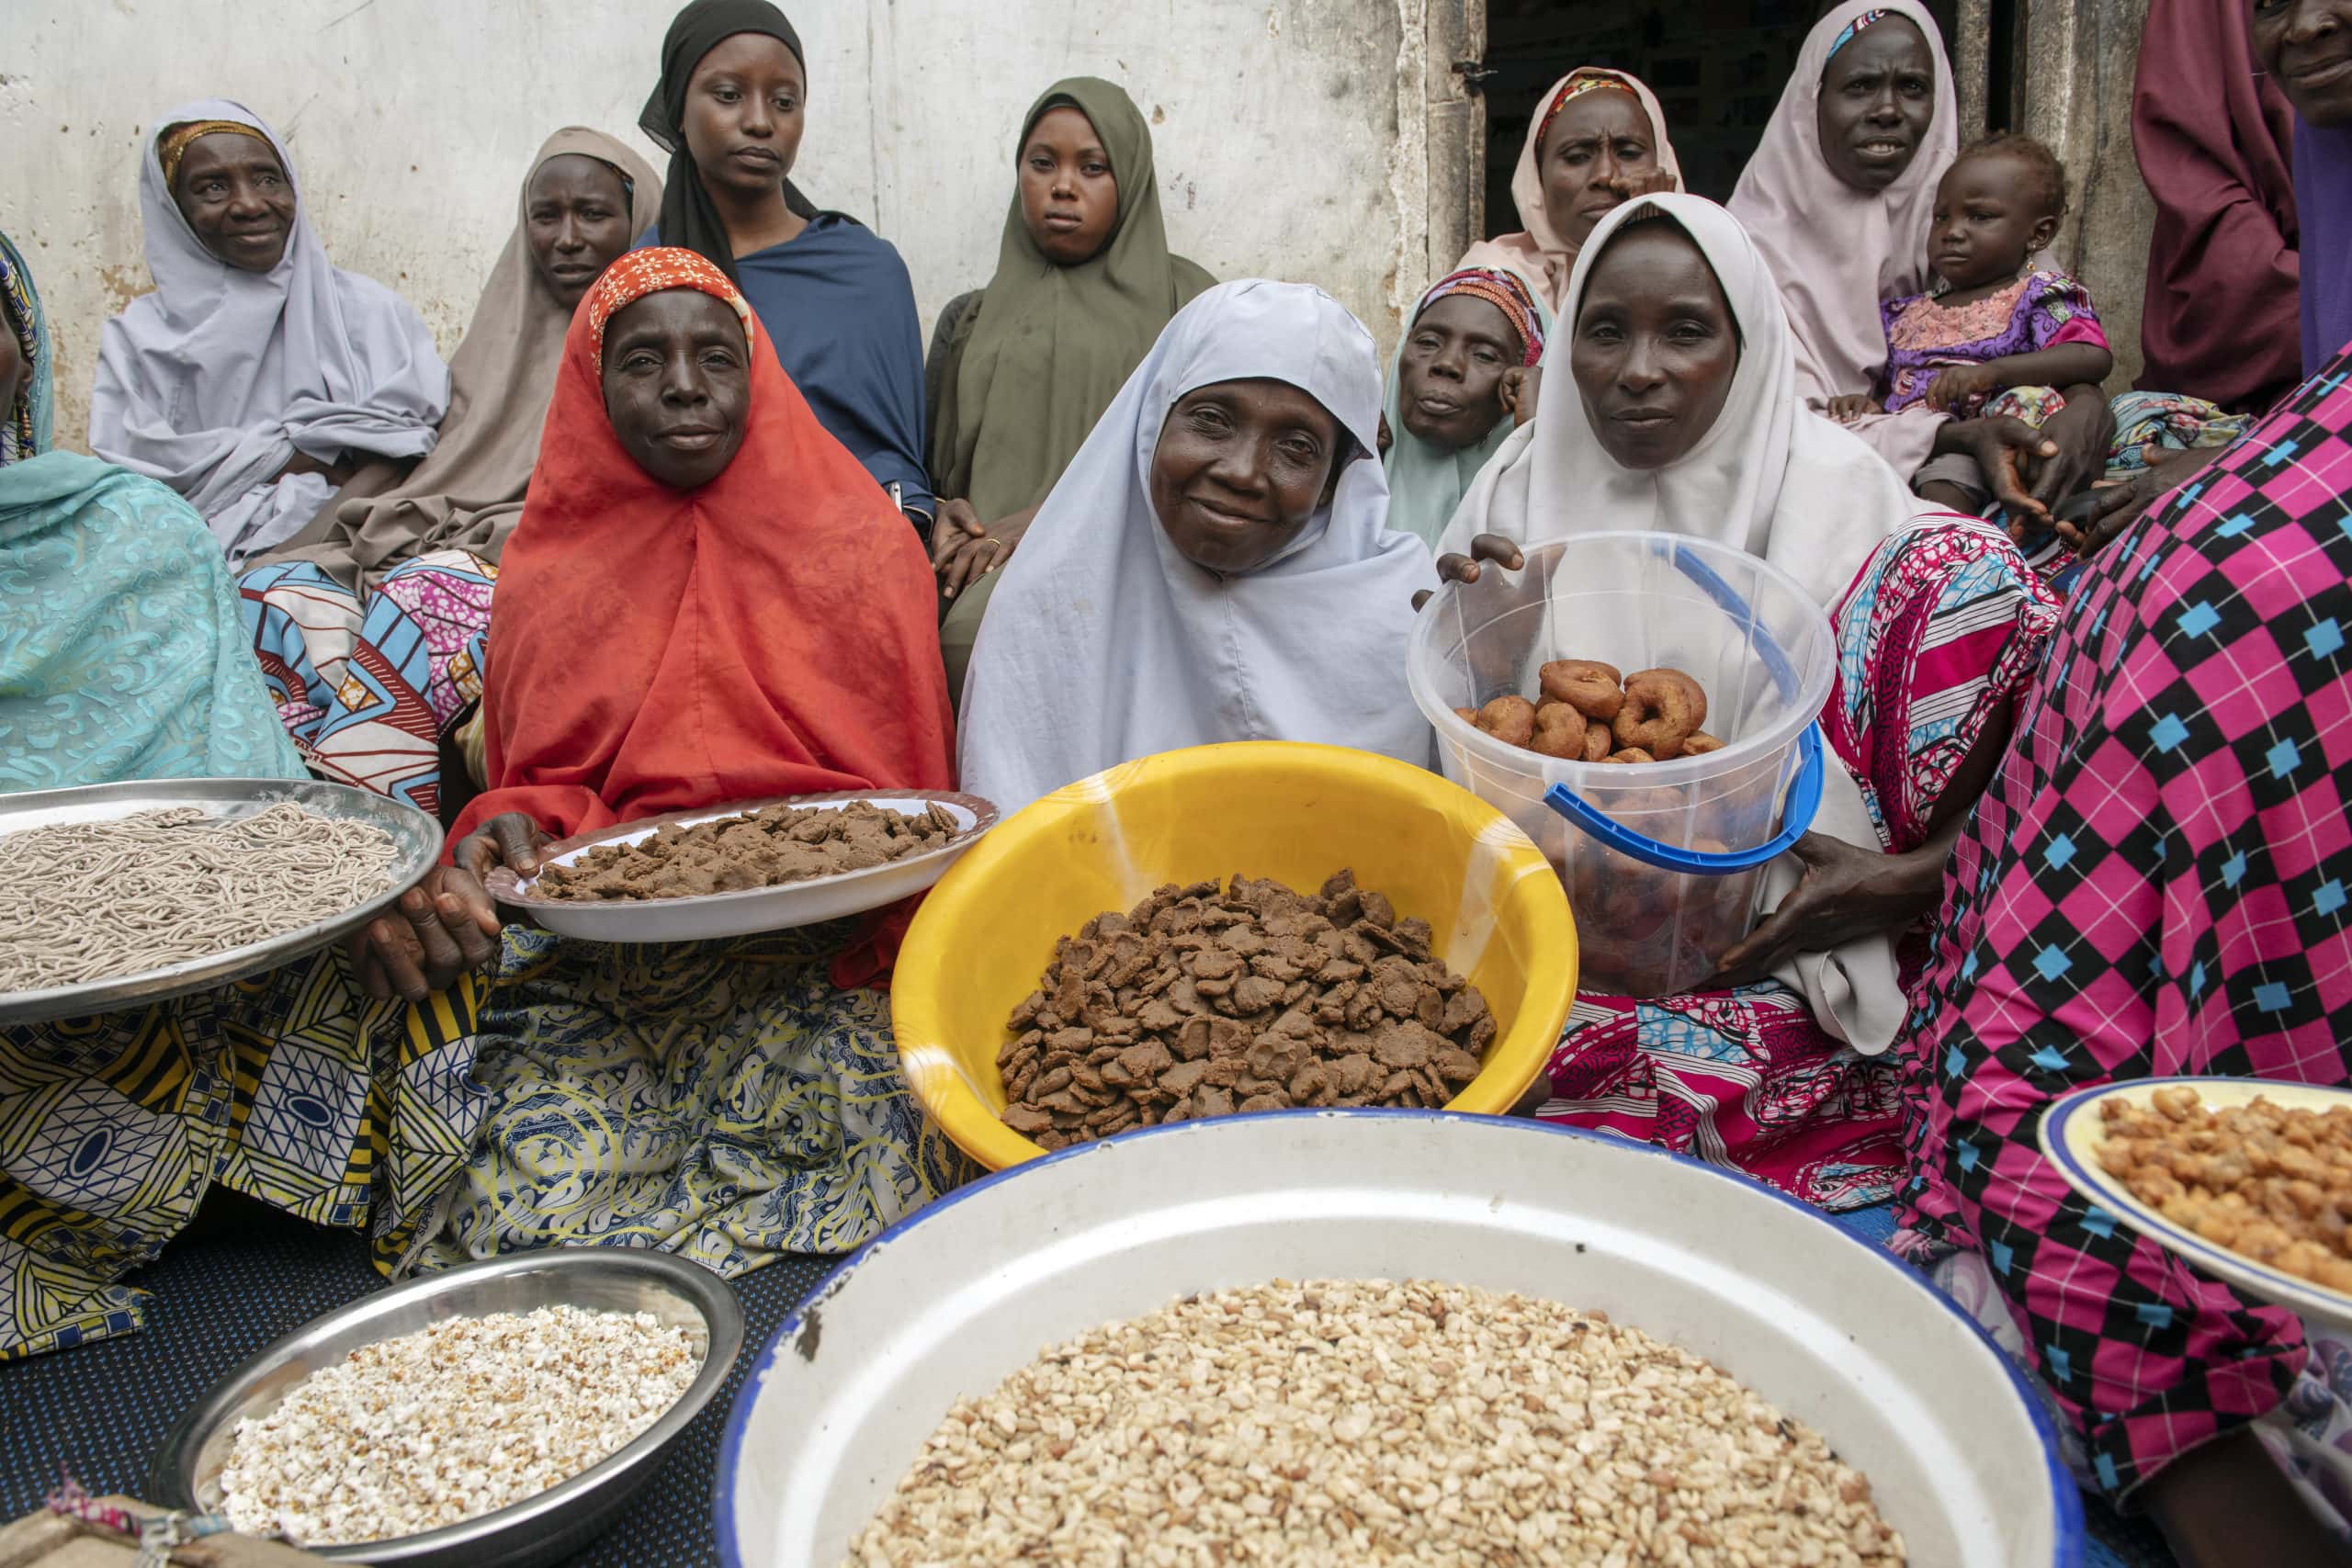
<point x="834" y="297"/>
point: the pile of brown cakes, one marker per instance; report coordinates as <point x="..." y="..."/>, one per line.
<point x="1204" y="1001"/>
<point x="767" y="848"/>
<point x="1588" y="713"/>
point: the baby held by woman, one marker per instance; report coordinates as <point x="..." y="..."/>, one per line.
<point x="1996" y="334"/>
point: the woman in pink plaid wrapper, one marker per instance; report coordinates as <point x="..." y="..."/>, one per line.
<point x="2159" y="880"/>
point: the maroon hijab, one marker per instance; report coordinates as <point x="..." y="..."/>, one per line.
<point x="2212" y="135"/>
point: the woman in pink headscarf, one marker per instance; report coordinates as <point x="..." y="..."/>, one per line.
<point x="1599" y="142"/>
<point x="1839" y="199"/>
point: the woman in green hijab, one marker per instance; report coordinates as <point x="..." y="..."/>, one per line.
<point x="1084" y="283"/>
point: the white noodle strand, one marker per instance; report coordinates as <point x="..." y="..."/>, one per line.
<point x="91" y="901"/>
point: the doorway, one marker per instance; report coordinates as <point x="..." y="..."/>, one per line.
<point x="1717" y="66"/>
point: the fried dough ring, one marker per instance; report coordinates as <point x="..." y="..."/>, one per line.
<point x="1511" y="720"/>
<point x="1690" y="685"/>
<point x="1585" y="684"/>
<point x="1697" y="743"/>
<point x="1660" y="713"/>
<point x="1628" y="755"/>
<point x="1598" y="741"/>
<point x="1560" y="731"/>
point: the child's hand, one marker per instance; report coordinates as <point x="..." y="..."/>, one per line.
<point x="1956" y="386"/>
<point x="1850" y="406"/>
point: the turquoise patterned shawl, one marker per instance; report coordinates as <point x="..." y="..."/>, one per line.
<point x="123" y="653"/>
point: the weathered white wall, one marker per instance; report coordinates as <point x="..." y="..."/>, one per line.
<point x="1288" y="132"/>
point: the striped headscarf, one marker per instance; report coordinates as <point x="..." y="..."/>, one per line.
<point x="1845" y="34"/>
<point x="1575" y="87"/>
<point x="1505" y="292"/>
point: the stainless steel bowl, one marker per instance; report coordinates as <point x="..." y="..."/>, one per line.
<point x="416" y="838"/>
<point x="545" y="1529"/>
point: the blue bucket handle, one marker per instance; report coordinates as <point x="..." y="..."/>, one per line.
<point x="1804" y="801"/>
<point x="1727" y="599"/>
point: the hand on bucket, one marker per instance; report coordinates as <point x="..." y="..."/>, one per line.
<point x="1453" y="568"/>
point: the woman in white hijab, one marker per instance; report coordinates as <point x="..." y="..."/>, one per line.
<point x="1838" y="197"/>
<point x="257" y="373"/>
<point x="1763" y="473"/>
<point x="1673" y="410"/>
<point x="1213" y="565"/>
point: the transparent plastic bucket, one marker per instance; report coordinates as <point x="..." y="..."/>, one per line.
<point x="1663" y="862"/>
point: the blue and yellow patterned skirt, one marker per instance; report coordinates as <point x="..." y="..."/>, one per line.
<point x="718" y="1100"/>
<point x="293" y="1087"/>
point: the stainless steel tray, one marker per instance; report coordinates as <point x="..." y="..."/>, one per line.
<point x="416" y="835"/>
<point x="545" y="1529"/>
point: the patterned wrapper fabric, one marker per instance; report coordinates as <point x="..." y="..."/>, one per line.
<point x="293" y="1087"/>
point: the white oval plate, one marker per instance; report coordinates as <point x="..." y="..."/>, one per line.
<point x="2071" y="1132"/>
<point x="704" y="915"/>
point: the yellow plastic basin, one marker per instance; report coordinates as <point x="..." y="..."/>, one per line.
<point x="1272" y="809"/>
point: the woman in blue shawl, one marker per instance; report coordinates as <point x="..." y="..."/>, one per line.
<point x="834" y="297"/>
<point x="123" y="656"/>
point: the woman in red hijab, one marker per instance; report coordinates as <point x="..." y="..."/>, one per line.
<point x="707" y="600"/>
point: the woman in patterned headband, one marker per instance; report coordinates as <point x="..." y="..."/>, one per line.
<point x="1453" y="392"/>
<point x="687" y="500"/>
<point x="1599" y="142"/>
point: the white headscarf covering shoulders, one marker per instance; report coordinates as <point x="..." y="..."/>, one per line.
<point x="1771" y="477"/>
<point x="214" y="382"/>
<point x="1103" y="644"/>
<point x="1839" y="252"/>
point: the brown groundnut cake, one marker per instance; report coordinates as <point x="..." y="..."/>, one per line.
<point x="1208" y="1001"/>
<point x="767" y="848"/>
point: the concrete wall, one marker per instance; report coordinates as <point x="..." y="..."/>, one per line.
<point x="2070" y="70"/>
<point x="2077" y="60"/>
<point x="1290" y="134"/>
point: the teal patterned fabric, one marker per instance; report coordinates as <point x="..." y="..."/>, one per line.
<point x="716" y="1100"/>
<point x="123" y="654"/>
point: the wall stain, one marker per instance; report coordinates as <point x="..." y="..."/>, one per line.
<point x="121" y="283"/>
